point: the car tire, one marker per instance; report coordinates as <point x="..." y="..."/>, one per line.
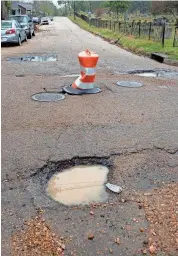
<point x="33" y="34"/>
<point x="19" y="41"/>
<point x="26" y="38"/>
<point x="30" y="35"/>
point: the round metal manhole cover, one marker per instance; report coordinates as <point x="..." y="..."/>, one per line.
<point x="129" y="84"/>
<point x="47" y="97"/>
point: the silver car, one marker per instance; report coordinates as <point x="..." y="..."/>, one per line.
<point x="45" y="21"/>
<point x="12" y="32"/>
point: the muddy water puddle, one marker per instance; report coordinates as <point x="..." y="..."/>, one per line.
<point x="79" y="185"/>
<point x="155" y="73"/>
<point x="34" y="58"/>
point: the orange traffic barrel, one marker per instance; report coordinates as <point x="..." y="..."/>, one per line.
<point x="85" y="83"/>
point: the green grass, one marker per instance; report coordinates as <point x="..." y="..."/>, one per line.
<point x="138" y="45"/>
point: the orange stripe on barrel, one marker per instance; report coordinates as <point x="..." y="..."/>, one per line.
<point x="87" y="79"/>
<point x="88" y="62"/>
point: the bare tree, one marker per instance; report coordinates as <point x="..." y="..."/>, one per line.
<point x="161" y="7"/>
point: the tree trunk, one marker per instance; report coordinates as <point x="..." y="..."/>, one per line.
<point x="117" y="13"/>
<point x="4" y="11"/>
<point x="176" y="22"/>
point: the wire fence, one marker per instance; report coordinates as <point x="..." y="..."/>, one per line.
<point x="147" y="30"/>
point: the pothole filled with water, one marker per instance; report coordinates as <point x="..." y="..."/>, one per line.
<point x="47" y="97"/>
<point x="81" y="184"/>
<point x="129" y="84"/>
<point x="155" y="73"/>
<point x="34" y="58"/>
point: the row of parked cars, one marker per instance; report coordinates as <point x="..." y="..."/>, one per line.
<point x="42" y="21"/>
<point x="19" y="28"/>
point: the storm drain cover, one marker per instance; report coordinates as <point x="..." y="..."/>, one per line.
<point x="34" y="58"/>
<point x="47" y="96"/>
<point x="129" y="84"/>
<point x="82" y="184"/>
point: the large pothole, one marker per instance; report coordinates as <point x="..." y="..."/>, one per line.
<point x="71" y="182"/>
<point x="140" y="171"/>
<point x="34" y="58"/>
<point x="79" y="185"/>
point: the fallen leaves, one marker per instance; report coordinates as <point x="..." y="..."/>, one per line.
<point x="160" y="208"/>
<point x="152" y="249"/>
<point x="144" y="251"/>
<point x="90" y="236"/>
<point x="37" y="239"/>
<point x="117" y="240"/>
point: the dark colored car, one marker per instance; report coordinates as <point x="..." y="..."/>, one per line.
<point x="36" y="20"/>
<point x="26" y="22"/>
<point x="160" y="21"/>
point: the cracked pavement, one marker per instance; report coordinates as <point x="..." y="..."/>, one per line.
<point x="136" y="128"/>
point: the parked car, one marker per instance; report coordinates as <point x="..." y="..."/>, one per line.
<point x="12" y="32"/>
<point x="26" y="22"/>
<point x="45" y="21"/>
<point x="160" y="21"/>
<point x="36" y="20"/>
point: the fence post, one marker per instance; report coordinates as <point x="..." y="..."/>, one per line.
<point x="114" y="26"/>
<point x="174" y="42"/>
<point x="149" y="36"/>
<point x="132" y="27"/>
<point x="163" y="34"/>
<point x="119" y="26"/>
<point x="110" y="25"/>
<point x="139" y="28"/>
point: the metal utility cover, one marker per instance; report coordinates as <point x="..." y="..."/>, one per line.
<point x="129" y="84"/>
<point x="47" y="97"/>
<point x="73" y="91"/>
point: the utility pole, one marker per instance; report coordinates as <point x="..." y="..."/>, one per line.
<point x="74" y="9"/>
<point x="89" y="13"/>
<point x="89" y="6"/>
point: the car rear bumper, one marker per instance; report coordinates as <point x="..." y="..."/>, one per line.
<point x="9" y="39"/>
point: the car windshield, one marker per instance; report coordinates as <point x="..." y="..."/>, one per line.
<point x="20" y="19"/>
<point x="6" y="24"/>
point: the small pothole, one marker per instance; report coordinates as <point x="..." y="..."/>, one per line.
<point x="34" y="58"/>
<point x="155" y="73"/>
<point x="147" y="74"/>
<point x="129" y="84"/>
<point x="79" y="185"/>
<point x="47" y="97"/>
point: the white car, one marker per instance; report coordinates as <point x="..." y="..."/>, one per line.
<point x="45" y="21"/>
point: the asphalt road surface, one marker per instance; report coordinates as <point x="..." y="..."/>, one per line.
<point x="134" y="131"/>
